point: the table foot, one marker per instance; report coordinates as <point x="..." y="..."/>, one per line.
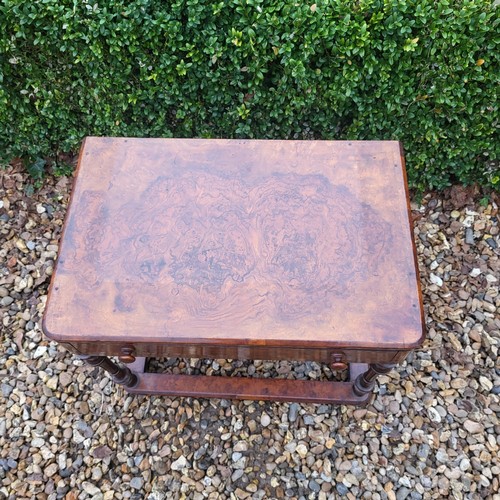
<point x="260" y="389"/>
<point x="120" y="374"/>
<point x="365" y="382"/>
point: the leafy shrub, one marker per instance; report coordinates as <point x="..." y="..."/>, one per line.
<point x="424" y="72"/>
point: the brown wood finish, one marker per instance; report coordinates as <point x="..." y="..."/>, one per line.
<point x="157" y="350"/>
<point x="238" y="249"/>
<point x="251" y="388"/>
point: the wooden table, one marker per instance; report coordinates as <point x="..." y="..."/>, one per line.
<point x="240" y="249"/>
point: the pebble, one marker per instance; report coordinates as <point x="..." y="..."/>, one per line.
<point x="50" y="470"/>
<point x="314" y="486"/>
<point x="436" y="279"/>
<point x="90" y="488"/>
<point x="137" y="483"/>
<point x="492" y="243"/>
<point x="6" y="301"/>
<point x="486" y="383"/>
<point x="402" y="493"/>
<point x="341" y="489"/>
<point x="179" y="464"/>
<point x="6" y="390"/>
<point x="301" y="449"/>
<point x="265" y="420"/>
<point x="473" y="427"/>
<point x="434" y="415"/>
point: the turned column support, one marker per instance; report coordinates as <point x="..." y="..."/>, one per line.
<point x="120" y="374"/>
<point x="365" y="382"/>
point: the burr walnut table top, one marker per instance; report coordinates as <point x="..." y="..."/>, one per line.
<point x="284" y="243"/>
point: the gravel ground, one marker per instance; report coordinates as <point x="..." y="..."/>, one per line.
<point x="432" y="430"/>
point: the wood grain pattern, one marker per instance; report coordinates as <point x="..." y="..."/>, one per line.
<point x="270" y="243"/>
<point x="249" y="389"/>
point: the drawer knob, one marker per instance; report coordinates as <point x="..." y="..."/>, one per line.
<point x="338" y="362"/>
<point x="127" y="355"/>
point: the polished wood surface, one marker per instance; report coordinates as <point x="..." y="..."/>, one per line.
<point x="237" y="243"/>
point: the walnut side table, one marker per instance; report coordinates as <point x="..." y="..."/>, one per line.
<point x="241" y="249"/>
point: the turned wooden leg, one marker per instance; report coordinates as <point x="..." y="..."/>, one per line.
<point x="365" y="382"/>
<point x="120" y="374"/>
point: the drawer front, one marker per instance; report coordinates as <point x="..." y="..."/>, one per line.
<point x="325" y="355"/>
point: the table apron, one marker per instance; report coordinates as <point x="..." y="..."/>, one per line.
<point x="220" y="351"/>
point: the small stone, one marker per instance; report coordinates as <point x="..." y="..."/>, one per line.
<point x="486" y="383"/>
<point x="464" y="464"/>
<point x="50" y="470"/>
<point x="434" y="415"/>
<point x="473" y="427"/>
<point x="21" y="245"/>
<point x="314" y="486"/>
<point x="179" y="464"/>
<point x="301" y="449"/>
<point x="350" y="480"/>
<point x="436" y="279"/>
<point x="65" y="379"/>
<point x="265" y="420"/>
<point x="423" y="452"/>
<point x="96" y="474"/>
<point x="40" y="351"/>
<point x="402" y="493"/>
<point x="455" y="342"/>
<point x="293" y="411"/>
<point x="469" y="236"/>
<point x="404" y="481"/>
<point x="6" y="301"/>
<point x="52" y="383"/>
<point x="492" y="243"/>
<point x="237" y="474"/>
<point x="38" y="442"/>
<point x="241" y="494"/>
<point x="136" y="483"/>
<point x="90" y="488"/>
<point x="6" y="390"/>
<point x="240" y="446"/>
<point x="342" y="489"/>
<point x="252" y="488"/>
<point x="3" y="292"/>
<point x="241" y="463"/>
<point x="458" y="383"/>
<point x="442" y="456"/>
<point x="360" y="413"/>
<point x="475" y="272"/>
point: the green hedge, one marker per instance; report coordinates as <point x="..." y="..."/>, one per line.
<point x="424" y="72"/>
